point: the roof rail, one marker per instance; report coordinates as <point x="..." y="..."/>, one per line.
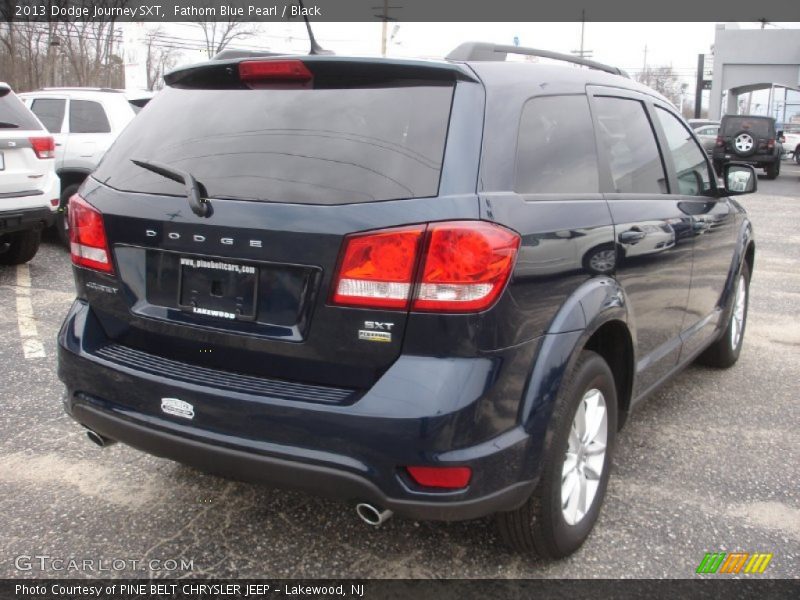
<point x="484" y="51"/>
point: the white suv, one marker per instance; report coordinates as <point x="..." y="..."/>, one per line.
<point x="29" y="187"/>
<point x="84" y="123"/>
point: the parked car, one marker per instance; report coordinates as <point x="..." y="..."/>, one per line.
<point x="749" y="139"/>
<point x="790" y="140"/>
<point x="707" y="134"/>
<point x="322" y="285"/>
<point x="28" y="182"/>
<point x="84" y="122"/>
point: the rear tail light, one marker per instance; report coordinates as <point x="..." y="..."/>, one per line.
<point x="43" y="147"/>
<point x="720" y="141"/>
<point x="466" y="266"/>
<point x="274" y="71"/>
<point x="450" y="478"/>
<point x="377" y="269"/>
<point x="87" y="234"/>
<point x="459" y="266"/>
<point x="770" y="144"/>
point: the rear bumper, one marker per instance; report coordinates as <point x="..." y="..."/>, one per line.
<point x="755" y="159"/>
<point x="25" y="219"/>
<point x="346" y="452"/>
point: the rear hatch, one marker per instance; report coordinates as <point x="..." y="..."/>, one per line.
<point x="22" y="142"/>
<point x="290" y="166"/>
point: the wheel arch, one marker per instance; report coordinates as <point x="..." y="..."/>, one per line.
<point x="596" y="317"/>
<point x="70" y="177"/>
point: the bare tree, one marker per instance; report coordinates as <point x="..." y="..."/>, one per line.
<point x="158" y="60"/>
<point x="664" y="80"/>
<point x="35" y="54"/>
<point x="219" y="34"/>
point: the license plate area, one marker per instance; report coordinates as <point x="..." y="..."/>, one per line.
<point x="218" y="289"/>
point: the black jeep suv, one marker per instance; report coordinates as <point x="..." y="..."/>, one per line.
<point x="392" y="282"/>
<point x="751" y="140"/>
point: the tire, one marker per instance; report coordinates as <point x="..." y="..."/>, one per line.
<point x="747" y="137"/>
<point x="602" y="259"/>
<point x="797" y="155"/>
<point x="724" y="353"/>
<point x="774" y="169"/>
<point x="23" y="246"/>
<point x="62" y="219"/>
<point x="540" y="526"/>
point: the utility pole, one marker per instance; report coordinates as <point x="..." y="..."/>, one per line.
<point x="583" y="53"/>
<point x="698" y="90"/>
<point x="384" y="16"/>
<point x="644" y="68"/>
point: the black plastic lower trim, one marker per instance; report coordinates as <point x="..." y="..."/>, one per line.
<point x="279" y="472"/>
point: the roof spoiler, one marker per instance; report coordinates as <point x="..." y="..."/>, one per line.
<point x="233" y="54"/>
<point x="484" y="51"/>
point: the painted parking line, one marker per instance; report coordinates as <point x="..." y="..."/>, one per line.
<point x="31" y="344"/>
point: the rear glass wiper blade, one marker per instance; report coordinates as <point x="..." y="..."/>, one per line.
<point x="8" y="125"/>
<point x="195" y="191"/>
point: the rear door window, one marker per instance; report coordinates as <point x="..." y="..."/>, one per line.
<point x="309" y="146"/>
<point x="556" y="150"/>
<point x="691" y="167"/>
<point x="625" y="131"/>
<point x="50" y="112"/>
<point x="86" y="116"/>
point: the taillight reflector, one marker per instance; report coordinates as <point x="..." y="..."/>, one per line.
<point x="43" y="147"/>
<point x="275" y="70"/>
<point x="87" y="233"/>
<point x="451" y="478"/>
<point x="720" y="141"/>
<point x="459" y="266"/>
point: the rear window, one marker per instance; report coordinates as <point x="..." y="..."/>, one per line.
<point x="309" y="146"/>
<point x="15" y="115"/>
<point x="86" y="116"/>
<point x="760" y="127"/>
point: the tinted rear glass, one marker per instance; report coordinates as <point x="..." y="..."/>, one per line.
<point x="15" y="115"/>
<point x="311" y="146"/>
<point x="50" y="112"/>
<point x="761" y="127"/>
<point x="86" y="116"/>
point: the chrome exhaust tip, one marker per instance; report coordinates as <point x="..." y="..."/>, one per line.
<point x="372" y="515"/>
<point x="100" y="440"/>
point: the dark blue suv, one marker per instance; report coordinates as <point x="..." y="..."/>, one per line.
<point x="428" y="288"/>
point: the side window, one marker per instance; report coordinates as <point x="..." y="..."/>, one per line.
<point x="50" y="112"/>
<point x="86" y="116"/>
<point x="690" y="161"/>
<point x="556" y="150"/>
<point x="625" y="131"/>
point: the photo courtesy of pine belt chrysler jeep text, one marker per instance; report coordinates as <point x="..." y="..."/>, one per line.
<point x="393" y="282"/>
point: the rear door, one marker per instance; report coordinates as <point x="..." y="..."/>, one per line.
<point x="290" y="170"/>
<point x="89" y="136"/>
<point x="653" y="237"/>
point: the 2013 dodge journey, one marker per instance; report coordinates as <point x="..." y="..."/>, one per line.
<point x="400" y="282"/>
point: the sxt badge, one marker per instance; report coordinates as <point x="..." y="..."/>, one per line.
<point x="376" y="331"/>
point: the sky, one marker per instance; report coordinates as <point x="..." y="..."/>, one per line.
<point x="619" y="44"/>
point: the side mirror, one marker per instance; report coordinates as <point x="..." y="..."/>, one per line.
<point x="739" y="179"/>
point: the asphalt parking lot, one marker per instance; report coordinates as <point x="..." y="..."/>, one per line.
<point x="710" y="463"/>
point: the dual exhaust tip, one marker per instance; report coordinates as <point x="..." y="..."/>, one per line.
<point x="370" y="514"/>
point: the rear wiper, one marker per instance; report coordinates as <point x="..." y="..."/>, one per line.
<point x="7" y="125"/>
<point x="195" y="191"/>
